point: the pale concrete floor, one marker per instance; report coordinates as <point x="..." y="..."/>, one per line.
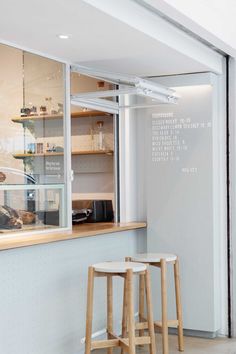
<point x="192" y="346"/>
<point x="195" y="345"/>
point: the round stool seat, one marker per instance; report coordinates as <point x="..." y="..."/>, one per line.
<point x="119" y="267"/>
<point x="154" y="257"/>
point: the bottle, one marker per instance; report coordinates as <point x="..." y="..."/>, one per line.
<point x="100" y="136"/>
<point x="92" y="138"/>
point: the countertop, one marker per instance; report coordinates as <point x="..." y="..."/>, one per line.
<point x="10" y="241"/>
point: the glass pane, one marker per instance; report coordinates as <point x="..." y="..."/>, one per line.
<point x="15" y="213"/>
<point x="11" y="134"/>
<point x="93" y="154"/>
<point x="43" y="95"/>
<point x="32" y="138"/>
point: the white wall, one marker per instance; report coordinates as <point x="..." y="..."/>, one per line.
<point x="133" y="171"/>
<point x="212" y="20"/>
<point x="233" y="187"/>
<point x="186" y="208"/>
<point x="43" y="292"/>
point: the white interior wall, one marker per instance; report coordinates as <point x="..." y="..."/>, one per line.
<point x="220" y="198"/>
<point x="128" y="152"/>
<point x="232" y="127"/>
<point x="213" y="242"/>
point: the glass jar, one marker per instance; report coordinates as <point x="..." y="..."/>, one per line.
<point x="99" y="136"/>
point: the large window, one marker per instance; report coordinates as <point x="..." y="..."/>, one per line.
<point x="31" y="141"/>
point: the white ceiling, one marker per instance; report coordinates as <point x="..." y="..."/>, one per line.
<point x="217" y="16"/>
<point x="211" y="19"/>
<point x="97" y="39"/>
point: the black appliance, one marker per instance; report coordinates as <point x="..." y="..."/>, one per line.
<point x="80" y="215"/>
<point x="102" y="210"/>
<point x="49" y="217"/>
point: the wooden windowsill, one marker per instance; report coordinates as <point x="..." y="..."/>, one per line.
<point x="83" y="230"/>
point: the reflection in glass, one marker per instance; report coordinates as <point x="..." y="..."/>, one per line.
<point x="15" y="213"/>
<point x="32" y="134"/>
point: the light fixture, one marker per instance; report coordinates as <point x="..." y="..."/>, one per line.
<point x="63" y="36"/>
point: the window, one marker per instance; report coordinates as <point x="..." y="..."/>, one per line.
<point x="32" y="183"/>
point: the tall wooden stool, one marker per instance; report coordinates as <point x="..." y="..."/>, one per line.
<point x="127" y="341"/>
<point x="161" y="260"/>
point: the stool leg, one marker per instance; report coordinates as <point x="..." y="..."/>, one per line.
<point x="109" y="309"/>
<point x="141" y="301"/>
<point x="130" y="308"/>
<point x="124" y="316"/>
<point x="152" y="345"/>
<point x="178" y="306"/>
<point x="89" y="313"/>
<point x="164" y="307"/>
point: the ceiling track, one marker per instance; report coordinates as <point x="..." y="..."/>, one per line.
<point x="179" y="26"/>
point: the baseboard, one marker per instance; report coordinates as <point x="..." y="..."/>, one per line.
<point x="196" y="333"/>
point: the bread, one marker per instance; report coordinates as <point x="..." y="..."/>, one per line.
<point x="27" y="217"/>
<point x="9" y="218"/>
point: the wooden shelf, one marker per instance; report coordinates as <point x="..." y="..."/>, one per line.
<point x="92" y="152"/>
<point x="82" y="114"/>
<point x="23" y="156"/>
<point x="36" y="118"/>
<point x="85" y="114"/>
<point x="49" y="154"/>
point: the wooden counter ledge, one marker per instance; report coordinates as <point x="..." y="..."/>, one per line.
<point x="83" y="230"/>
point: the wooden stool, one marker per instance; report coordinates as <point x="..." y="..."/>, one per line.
<point x="128" y="340"/>
<point x="160" y="260"/>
